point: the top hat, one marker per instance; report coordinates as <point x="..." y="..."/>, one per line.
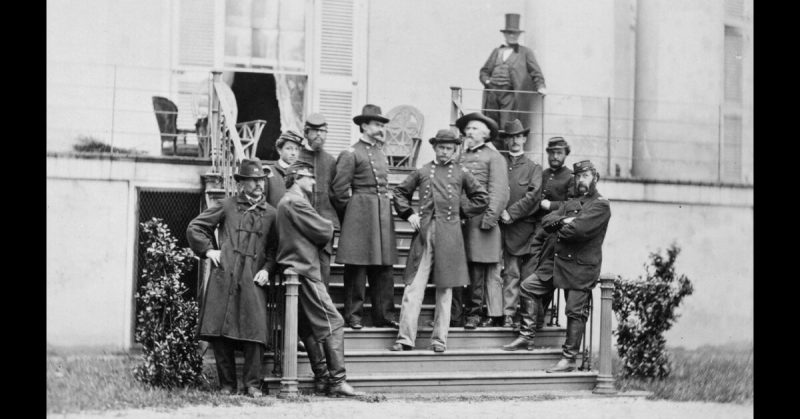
<point x="251" y="169"/>
<point x="302" y="168"/>
<point x="512" y="128"/>
<point x="445" y="136"/>
<point x="288" y="136"/>
<point x="461" y="123"/>
<point x="557" y="142"/>
<point x="512" y="23"/>
<point x="582" y="166"/>
<point x="370" y="113"/>
<point x="316" y="120"/>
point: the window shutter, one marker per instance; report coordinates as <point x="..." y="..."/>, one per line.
<point x="733" y="65"/>
<point x="196" y="33"/>
<point x="734" y="8"/>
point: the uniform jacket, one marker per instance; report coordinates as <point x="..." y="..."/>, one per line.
<point x="234" y="306"/>
<point x="524" y="181"/>
<point x="482" y="237"/>
<point x="324" y="171"/>
<point x="362" y="200"/>
<point x="303" y="234"/>
<point x="276" y="184"/>
<point x="440" y="190"/>
<point x="524" y="72"/>
<point x="578" y="245"/>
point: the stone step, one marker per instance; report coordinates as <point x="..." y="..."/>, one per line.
<point x="460" y="382"/>
<point x="377" y="338"/>
<point x="385" y="363"/>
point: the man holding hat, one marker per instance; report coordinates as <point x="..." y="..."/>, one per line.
<point x="482" y="237"/>
<point x="234" y="311"/>
<point x="315" y="133"/>
<point x="510" y="66"/>
<point x="288" y="146"/>
<point x="362" y="199"/>
<point x="524" y="181"/>
<point x="437" y="248"/>
<point x="304" y="233"/>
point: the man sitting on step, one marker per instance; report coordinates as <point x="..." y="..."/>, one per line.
<point x="437" y="248"/>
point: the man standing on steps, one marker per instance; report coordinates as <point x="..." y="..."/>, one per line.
<point x="482" y="237"/>
<point x="437" y="248"/>
<point x="303" y="234"/>
<point x="367" y="245"/>
<point x="288" y="146"/>
<point x="316" y="132"/>
<point x="234" y="310"/>
<point x="524" y="182"/>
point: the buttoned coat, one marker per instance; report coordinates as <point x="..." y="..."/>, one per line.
<point x="303" y="234"/>
<point x="524" y="181"/>
<point x="578" y="247"/>
<point x="362" y="199"/>
<point x="482" y="236"/>
<point x="524" y="72"/>
<point x="440" y="191"/>
<point x="324" y="172"/>
<point x="234" y="306"/>
<point x="276" y="184"/>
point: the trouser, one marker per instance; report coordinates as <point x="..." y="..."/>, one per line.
<point x="486" y="286"/>
<point x="577" y="311"/>
<point x="511" y="269"/>
<point x="457" y="306"/>
<point x="325" y="267"/>
<point x="226" y="362"/>
<point x="500" y="105"/>
<point x="320" y="324"/>
<point x="381" y="290"/>
<point x="413" y="295"/>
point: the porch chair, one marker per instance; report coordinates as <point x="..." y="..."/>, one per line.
<point x="173" y="139"/>
<point x="403" y="134"/>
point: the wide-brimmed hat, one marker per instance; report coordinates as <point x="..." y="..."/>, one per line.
<point x="582" y="166"/>
<point x="316" y="120"/>
<point x="461" y="123"/>
<point x="445" y="136"/>
<point x="289" y="136"/>
<point x="512" y="128"/>
<point x="252" y="169"/>
<point x="512" y="23"/>
<point x="556" y="143"/>
<point x="370" y="113"/>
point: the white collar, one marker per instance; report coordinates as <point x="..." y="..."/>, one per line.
<point x="283" y="164"/>
<point x="517" y="154"/>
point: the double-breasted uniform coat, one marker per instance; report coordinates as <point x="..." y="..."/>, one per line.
<point x="440" y="190"/>
<point x="234" y="306"/>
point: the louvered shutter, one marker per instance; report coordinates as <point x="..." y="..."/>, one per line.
<point x="196" y="34"/>
<point x="334" y="90"/>
<point x="733" y="65"/>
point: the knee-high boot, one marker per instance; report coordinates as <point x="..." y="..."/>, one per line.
<point x="572" y="345"/>
<point x="316" y="357"/>
<point x="529" y="309"/>
<point x="545" y="303"/>
<point x="334" y="355"/>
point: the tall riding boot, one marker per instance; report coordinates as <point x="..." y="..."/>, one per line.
<point x="316" y="357"/>
<point x="529" y="309"/>
<point x="334" y="355"/>
<point x="545" y="304"/>
<point x="572" y="345"/>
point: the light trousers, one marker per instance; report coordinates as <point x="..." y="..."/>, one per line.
<point x="510" y="274"/>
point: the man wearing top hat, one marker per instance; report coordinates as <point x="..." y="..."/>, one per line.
<point x="510" y="66"/>
<point x="482" y="237"/>
<point x="313" y="152"/>
<point x="524" y="181"/>
<point x="362" y="200"/>
<point x="288" y="146"/>
<point x="234" y="311"/>
<point x="437" y="248"/>
<point x="304" y="233"/>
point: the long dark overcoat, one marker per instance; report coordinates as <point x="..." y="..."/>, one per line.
<point x="578" y="247"/>
<point x="362" y="200"/>
<point x="234" y="306"/>
<point x="482" y="237"/>
<point x="440" y="190"/>
<point x="524" y="182"/>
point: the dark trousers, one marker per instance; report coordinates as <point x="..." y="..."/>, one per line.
<point x="500" y="105"/>
<point x="381" y="292"/>
<point x="325" y="267"/>
<point x="457" y="307"/>
<point x="321" y="328"/>
<point x="485" y="287"/>
<point x="226" y="362"/>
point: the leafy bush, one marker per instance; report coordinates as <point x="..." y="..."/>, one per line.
<point x="166" y="320"/>
<point x="645" y="309"/>
<point x="89" y="144"/>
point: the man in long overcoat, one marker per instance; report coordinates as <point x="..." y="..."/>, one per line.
<point x="510" y="66"/>
<point x="482" y="237"/>
<point x="303" y="234"/>
<point x="234" y="311"/>
<point x="524" y="181"/>
<point x="362" y="199"/>
<point x="288" y="145"/>
<point x="437" y="248"/>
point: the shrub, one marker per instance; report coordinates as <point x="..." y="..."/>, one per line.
<point x="166" y="319"/>
<point x="645" y="309"/>
<point x="89" y="144"/>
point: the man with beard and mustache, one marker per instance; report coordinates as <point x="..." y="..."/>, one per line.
<point x="482" y="237"/>
<point x="362" y="199"/>
<point x="288" y="146"/>
<point x="234" y="309"/>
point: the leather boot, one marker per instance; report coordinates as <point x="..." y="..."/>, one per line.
<point x="564" y="365"/>
<point x="344" y="390"/>
<point x="545" y="304"/>
<point x="316" y="357"/>
<point x="529" y="311"/>
<point x="333" y="347"/>
<point x="572" y="345"/>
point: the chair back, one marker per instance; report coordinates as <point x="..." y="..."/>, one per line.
<point x="167" y="117"/>
<point x="403" y="132"/>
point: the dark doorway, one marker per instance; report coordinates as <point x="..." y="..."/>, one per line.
<point x="256" y="99"/>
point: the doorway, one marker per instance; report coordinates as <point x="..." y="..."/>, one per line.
<point x="256" y="99"/>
